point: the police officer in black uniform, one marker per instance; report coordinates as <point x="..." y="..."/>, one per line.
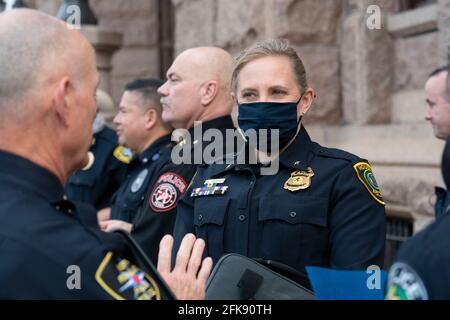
<point x="184" y="103"/>
<point x="421" y="269"/>
<point x="322" y="207"/>
<point x="438" y="114"/>
<point x="140" y="128"/>
<point x="47" y="107"/>
<point x="105" y="171"/>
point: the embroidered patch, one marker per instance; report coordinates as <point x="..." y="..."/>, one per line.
<point x="169" y="188"/>
<point x="123" y="154"/>
<point x="366" y="176"/>
<point x="124" y="281"/>
<point x="211" y="187"/>
<point x="405" y="284"/>
<point x="139" y="181"/>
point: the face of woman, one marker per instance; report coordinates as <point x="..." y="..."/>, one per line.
<point x="268" y="79"/>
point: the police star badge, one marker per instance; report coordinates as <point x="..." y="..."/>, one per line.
<point x="299" y="180"/>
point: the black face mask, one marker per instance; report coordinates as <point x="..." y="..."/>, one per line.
<point x="270" y="116"/>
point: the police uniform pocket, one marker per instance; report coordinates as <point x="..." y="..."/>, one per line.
<point x="209" y="215"/>
<point x="293" y="231"/>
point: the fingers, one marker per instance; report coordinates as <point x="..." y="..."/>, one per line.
<point x="165" y="254"/>
<point x="196" y="257"/>
<point x="184" y="253"/>
<point x="205" y="271"/>
<point x="103" y="225"/>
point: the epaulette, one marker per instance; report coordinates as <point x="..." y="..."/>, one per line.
<point x="336" y="154"/>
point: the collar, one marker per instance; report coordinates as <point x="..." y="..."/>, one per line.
<point x="221" y="123"/>
<point x="154" y="148"/>
<point x="31" y="175"/>
<point x="297" y="154"/>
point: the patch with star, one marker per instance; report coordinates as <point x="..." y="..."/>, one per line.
<point x="366" y="176"/>
<point x="169" y="188"/>
<point x="405" y="284"/>
<point x="124" y="281"/>
<point x="123" y="154"/>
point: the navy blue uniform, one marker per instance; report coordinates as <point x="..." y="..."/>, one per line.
<point x="156" y="217"/>
<point x="141" y="171"/>
<point x="43" y="242"/>
<point x="443" y="195"/>
<point x="322" y="208"/>
<point x="98" y="184"/>
<point x="421" y="270"/>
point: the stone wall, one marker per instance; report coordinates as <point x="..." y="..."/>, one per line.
<point x="137" y="20"/>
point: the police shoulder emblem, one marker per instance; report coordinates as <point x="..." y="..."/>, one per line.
<point x="123" y="154"/>
<point x="139" y="181"/>
<point x="405" y="284"/>
<point x="299" y="180"/>
<point x="169" y="188"/>
<point x="366" y="176"/>
<point x="124" y="281"/>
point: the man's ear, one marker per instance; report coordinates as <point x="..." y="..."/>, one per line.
<point x="208" y="92"/>
<point x="61" y="101"/>
<point x="151" y="117"/>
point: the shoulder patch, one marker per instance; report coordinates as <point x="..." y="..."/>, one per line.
<point x="366" y="176"/>
<point x="124" y="281"/>
<point x="123" y="154"/>
<point x="405" y="284"/>
<point x="169" y="188"/>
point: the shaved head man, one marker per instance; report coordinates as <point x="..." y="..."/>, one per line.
<point x="48" y="81"/>
<point x="197" y="87"/>
<point x="195" y="97"/>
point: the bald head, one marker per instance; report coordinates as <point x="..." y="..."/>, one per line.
<point x="197" y="87"/>
<point x="208" y="63"/>
<point x="48" y="81"/>
<point x="34" y="49"/>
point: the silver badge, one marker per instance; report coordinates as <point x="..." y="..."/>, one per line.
<point x="139" y="181"/>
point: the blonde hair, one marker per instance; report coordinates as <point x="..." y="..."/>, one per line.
<point x="266" y="48"/>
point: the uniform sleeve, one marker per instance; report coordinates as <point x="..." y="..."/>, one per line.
<point x="357" y="221"/>
<point x="157" y="215"/>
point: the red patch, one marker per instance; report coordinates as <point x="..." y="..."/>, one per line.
<point x="169" y="188"/>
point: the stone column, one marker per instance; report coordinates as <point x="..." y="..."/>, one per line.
<point x="366" y="64"/>
<point x="105" y="42"/>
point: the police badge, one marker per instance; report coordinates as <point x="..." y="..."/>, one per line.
<point x="299" y="180"/>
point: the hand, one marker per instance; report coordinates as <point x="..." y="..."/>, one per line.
<point x="183" y="280"/>
<point x="113" y="225"/>
<point x="104" y="215"/>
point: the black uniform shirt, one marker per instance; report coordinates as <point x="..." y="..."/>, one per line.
<point x="322" y="208"/>
<point x="46" y="251"/>
<point x="98" y="184"/>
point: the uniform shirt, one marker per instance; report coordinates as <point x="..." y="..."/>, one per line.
<point x="98" y="184"/>
<point x="141" y="171"/>
<point x="156" y="217"/>
<point x="43" y="243"/>
<point x="422" y="267"/>
<point x="322" y="208"/>
<point x="442" y="205"/>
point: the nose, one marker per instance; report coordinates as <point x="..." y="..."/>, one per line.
<point x="116" y="119"/>
<point x="428" y="115"/>
<point x="162" y="91"/>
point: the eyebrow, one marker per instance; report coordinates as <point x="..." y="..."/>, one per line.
<point x="429" y="101"/>
<point x="270" y="88"/>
